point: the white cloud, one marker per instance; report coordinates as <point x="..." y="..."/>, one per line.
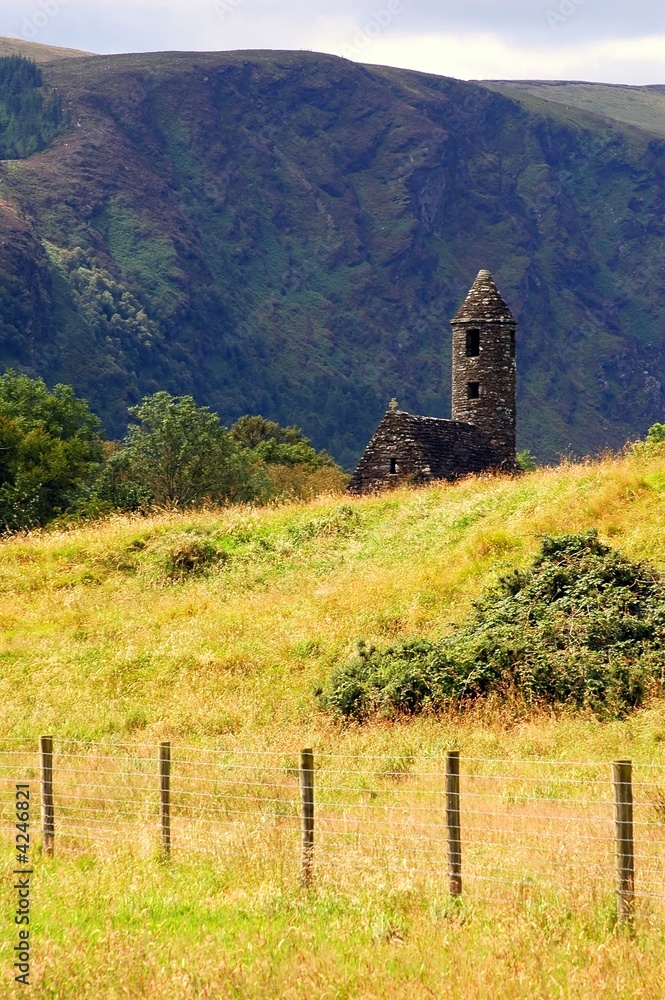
<point x="605" y="40"/>
<point x="633" y="61"/>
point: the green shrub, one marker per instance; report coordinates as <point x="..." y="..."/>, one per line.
<point x="656" y="434"/>
<point x="526" y="462"/>
<point x="277" y="445"/>
<point x="50" y="451"/>
<point x="180" y="455"/>
<point x="292" y="466"/>
<point x="583" y="626"/>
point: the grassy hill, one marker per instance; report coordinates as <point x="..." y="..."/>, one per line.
<point x="641" y="107"/>
<point x="105" y="638"/>
<point x="290" y="233"/>
<point x="37" y="51"/>
<point x="119" y="640"/>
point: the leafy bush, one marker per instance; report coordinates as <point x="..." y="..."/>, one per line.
<point x="583" y="626"/>
<point x="652" y="443"/>
<point x="116" y="488"/>
<point x="180" y="455"/>
<point x="277" y="445"/>
<point x="526" y="462"/>
<point x="50" y="451"/>
<point x="656" y="434"/>
<point x="293" y="467"/>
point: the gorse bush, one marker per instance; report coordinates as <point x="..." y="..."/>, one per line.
<point x="583" y="626"/>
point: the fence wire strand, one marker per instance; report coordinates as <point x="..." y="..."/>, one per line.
<point x="526" y="825"/>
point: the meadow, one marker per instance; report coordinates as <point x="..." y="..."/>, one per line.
<point x="213" y="630"/>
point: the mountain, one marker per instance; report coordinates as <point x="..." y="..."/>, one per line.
<point x="36" y="51"/>
<point x="642" y="107"/>
<point x="289" y="233"/>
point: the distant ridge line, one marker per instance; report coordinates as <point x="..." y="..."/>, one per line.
<point x="38" y="51"/>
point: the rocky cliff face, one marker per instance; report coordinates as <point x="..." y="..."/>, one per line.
<point x="290" y="234"/>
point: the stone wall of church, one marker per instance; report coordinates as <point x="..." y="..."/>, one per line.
<point x="484" y="382"/>
<point x="411" y="449"/>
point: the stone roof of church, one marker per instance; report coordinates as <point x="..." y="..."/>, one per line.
<point x="445" y="443"/>
<point x="484" y="303"/>
<point x="425" y="447"/>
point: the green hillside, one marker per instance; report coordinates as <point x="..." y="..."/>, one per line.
<point x="100" y="641"/>
<point x="641" y="107"/>
<point x="290" y="233"/>
<point x="118" y="644"/>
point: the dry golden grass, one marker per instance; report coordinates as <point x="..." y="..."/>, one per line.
<point x="102" y="642"/>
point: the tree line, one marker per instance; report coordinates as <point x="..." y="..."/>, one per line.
<point x="31" y="115"/>
<point x="56" y="464"/>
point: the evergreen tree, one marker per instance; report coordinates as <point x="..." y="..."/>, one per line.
<point x="30" y="114"/>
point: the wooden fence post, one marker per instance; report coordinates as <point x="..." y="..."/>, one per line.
<point x="453" y="823"/>
<point x="622" y="775"/>
<point x="48" y="812"/>
<point x="307" y="800"/>
<point x="165" y="794"/>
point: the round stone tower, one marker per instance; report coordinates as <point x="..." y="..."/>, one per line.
<point x="484" y="367"/>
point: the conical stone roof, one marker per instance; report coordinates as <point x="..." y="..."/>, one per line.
<point x="484" y="304"/>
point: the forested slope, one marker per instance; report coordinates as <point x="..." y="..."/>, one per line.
<point x="290" y="233"/>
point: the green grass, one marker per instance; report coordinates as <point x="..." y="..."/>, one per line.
<point x="191" y="931"/>
<point x="94" y="617"/>
<point x="640" y="107"/>
<point x="101" y="642"/>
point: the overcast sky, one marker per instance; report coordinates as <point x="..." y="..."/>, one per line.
<point x="614" y="41"/>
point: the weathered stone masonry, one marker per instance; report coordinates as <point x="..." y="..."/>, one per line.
<point x="481" y="434"/>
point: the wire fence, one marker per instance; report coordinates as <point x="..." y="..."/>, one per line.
<point x="501" y="827"/>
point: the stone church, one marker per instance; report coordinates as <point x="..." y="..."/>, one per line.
<point x="481" y="433"/>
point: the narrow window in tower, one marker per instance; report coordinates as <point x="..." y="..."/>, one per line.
<point x="512" y="343"/>
<point x="472" y="343"/>
<point x="473" y="390"/>
<point x="393" y="466"/>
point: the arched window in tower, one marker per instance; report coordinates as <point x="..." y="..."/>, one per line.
<point x="512" y="343"/>
<point x="472" y="343"/>
<point x="473" y="390"/>
<point x="393" y="466"/>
